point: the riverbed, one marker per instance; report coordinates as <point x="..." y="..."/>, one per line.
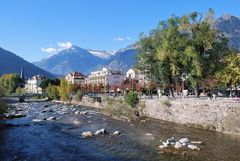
<point x="34" y="137"/>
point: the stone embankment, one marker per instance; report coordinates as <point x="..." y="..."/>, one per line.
<point x="222" y="115"/>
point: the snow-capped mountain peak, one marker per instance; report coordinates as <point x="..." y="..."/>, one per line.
<point x="102" y="53"/>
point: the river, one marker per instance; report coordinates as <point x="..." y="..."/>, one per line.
<point x="26" y="139"/>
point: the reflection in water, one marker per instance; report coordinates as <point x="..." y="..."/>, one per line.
<point x="61" y="139"/>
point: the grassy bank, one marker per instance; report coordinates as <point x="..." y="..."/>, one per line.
<point x="118" y="109"/>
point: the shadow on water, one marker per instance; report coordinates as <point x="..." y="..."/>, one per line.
<point x="23" y="139"/>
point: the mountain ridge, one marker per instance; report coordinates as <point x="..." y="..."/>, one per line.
<point x="12" y="63"/>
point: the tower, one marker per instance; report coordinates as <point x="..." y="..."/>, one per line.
<point x="22" y="73"/>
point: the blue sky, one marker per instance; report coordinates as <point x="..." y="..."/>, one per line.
<point x="33" y="28"/>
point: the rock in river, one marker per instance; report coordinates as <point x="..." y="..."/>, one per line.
<point x="101" y="131"/>
<point x="163" y="146"/>
<point x="87" y="134"/>
<point x="177" y="145"/>
<point x="193" y="147"/>
<point x="184" y="140"/>
<point x="116" y="133"/>
<point x="52" y="119"/>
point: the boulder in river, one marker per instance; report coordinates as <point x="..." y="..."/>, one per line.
<point x="184" y="140"/>
<point x="163" y="146"/>
<point x="196" y="142"/>
<point x="177" y="145"/>
<point x="87" y="134"/>
<point x="116" y="133"/>
<point x="77" y="112"/>
<point x="83" y="112"/>
<point x="193" y="147"/>
<point x="37" y="120"/>
<point x="51" y="118"/>
<point x="101" y="131"/>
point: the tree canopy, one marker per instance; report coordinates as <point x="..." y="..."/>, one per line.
<point x="183" y="45"/>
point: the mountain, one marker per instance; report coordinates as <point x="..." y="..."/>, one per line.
<point x="72" y="59"/>
<point x="123" y="59"/>
<point x="102" y="53"/>
<point x="11" y="63"/>
<point x="230" y="26"/>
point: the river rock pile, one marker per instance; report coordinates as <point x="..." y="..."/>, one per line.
<point x="17" y="110"/>
<point x="89" y="134"/>
<point x="177" y="144"/>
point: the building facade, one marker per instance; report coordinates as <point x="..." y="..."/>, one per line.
<point x="106" y="76"/>
<point x="33" y="84"/>
<point x="76" y="78"/>
<point x="137" y="76"/>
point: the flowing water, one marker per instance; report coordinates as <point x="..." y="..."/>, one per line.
<point x="23" y="139"/>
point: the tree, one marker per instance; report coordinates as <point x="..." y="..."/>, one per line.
<point x="79" y="95"/>
<point x="52" y="92"/>
<point x="9" y="83"/>
<point x="45" y="83"/>
<point x="230" y="74"/>
<point x="186" y="44"/>
<point x="132" y="98"/>
<point x="65" y="90"/>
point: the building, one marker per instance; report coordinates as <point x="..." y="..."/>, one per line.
<point x="137" y="76"/>
<point x="76" y="78"/>
<point x="33" y="84"/>
<point x="106" y="76"/>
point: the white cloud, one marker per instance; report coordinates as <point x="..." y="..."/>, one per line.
<point x="64" y="45"/>
<point x="119" y="39"/>
<point x="49" y="50"/>
<point x="122" y="38"/>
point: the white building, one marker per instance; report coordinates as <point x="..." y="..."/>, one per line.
<point x="33" y="84"/>
<point x="106" y="76"/>
<point x="137" y="75"/>
<point x="76" y="78"/>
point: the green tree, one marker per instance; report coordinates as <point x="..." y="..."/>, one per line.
<point x="186" y="44"/>
<point x="52" y="92"/>
<point x="230" y="73"/>
<point x="9" y="83"/>
<point x="132" y="98"/>
<point x="45" y="83"/>
<point x="79" y="95"/>
<point x="65" y="90"/>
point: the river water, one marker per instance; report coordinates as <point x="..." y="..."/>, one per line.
<point x="23" y="139"/>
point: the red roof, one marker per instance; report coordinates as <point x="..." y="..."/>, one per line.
<point x="77" y="74"/>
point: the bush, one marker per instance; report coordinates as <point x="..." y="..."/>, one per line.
<point x="79" y="95"/>
<point x="20" y="90"/>
<point x="166" y="103"/>
<point x="132" y="98"/>
<point x="119" y="109"/>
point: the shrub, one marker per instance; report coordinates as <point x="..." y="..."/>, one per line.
<point x="20" y="90"/>
<point x="79" y="95"/>
<point x="132" y="98"/>
<point x="119" y="109"/>
<point x="166" y="103"/>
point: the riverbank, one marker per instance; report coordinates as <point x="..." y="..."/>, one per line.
<point x="221" y="115"/>
<point x="53" y="131"/>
